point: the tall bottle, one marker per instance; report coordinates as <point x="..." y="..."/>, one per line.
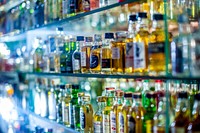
<point x="86" y="115"/>
<point x="141" y="44"/>
<point x="44" y="98"/>
<point x="181" y="121"/>
<point x="98" y="116"/>
<point x="76" y="57"/>
<point x="129" y="45"/>
<point x="106" y="54"/>
<point x="85" y="55"/>
<point x="69" y="65"/>
<point x="122" y="118"/>
<point x="117" y="106"/>
<point x="118" y="53"/>
<point x="194" y="124"/>
<point x="37" y="99"/>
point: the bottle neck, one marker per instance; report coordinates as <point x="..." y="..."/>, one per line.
<point x="72" y="46"/>
<point x="79" y="44"/>
<point x="162" y="104"/>
<point x="158" y="24"/>
<point x="107" y="43"/>
<point x="119" y="100"/>
<point x="142" y="25"/>
<point x="131" y="29"/>
<point x="137" y="102"/>
<point x="110" y="101"/>
<point x="196" y="108"/>
<point x="66" y="47"/>
<point x="184" y="28"/>
<point x="128" y="101"/>
<point x="182" y="105"/>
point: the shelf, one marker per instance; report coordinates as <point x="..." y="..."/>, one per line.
<point x="9" y="5"/>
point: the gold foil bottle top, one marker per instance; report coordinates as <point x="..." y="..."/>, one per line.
<point x="119" y="93"/>
<point x="86" y="98"/>
<point x="101" y="99"/>
<point x="81" y="94"/>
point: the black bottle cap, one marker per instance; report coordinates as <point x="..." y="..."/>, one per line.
<point x="158" y="17"/>
<point x="137" y="95"/>
<point x="128" y="95"/>
<point x="80" y="38"/>
<point x="109" y="35"/>
<point x="183" y="94"/>
<point x="141" y="15"/>
<point x="133" y="17"/>
<point x="62" y="86"/>
<point x="150" y="95"/>
<point x="75" y="86"/>
<point x="197" y="96"/>
<point x="183" y="18"/>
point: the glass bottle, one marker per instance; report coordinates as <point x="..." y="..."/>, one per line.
<point x="107" y="109"/>
<point x="37" y="99"/>
<point x="122" y="118"/>
<point x="181" y="120"/>
<point x="150" y="111"/>
<point x="194" y="124"/>
<point x="44" y="98"/>
<point x="98" y="116"/>
<point x="52" y="51"/>
<point x="74" y="101"/>
<point x="114" y="122"/>
<point x="85" y="55"/>
<point x="118" y="53"/>
<point x="65" y="105"/>
<point x="141" y="44"/>
<point x="129" y="45"/>
<point x="86" y="115"/>
<point x="76" y="57"/>
<point x="95" y="58"/>
<point x="39" y="13"/>
<point x="58" y="95"/>
<point x="136" y="114"/>
<point x="69" y="66"/>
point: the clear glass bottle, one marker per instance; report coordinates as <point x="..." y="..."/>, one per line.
<point x="86" y="115"/>
<point x="141" y="44"/>
<point x="44" y="98"/>
<point x="117" y="106"/>
<point x="129" y="45"/>
<point x="37" y="99"/>
<point x="76" y="57"/>
<point x="122" y="118"/>
<point x="69" y="65"/>
<point x="118" y="53"/>
<point x="95" y="58"/>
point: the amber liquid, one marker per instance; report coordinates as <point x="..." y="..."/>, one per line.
<point x="129" y="56"/>
<point x="95" y="61"/>
<point x="85" y="59"/>
<point x="106" y="63"/>
<point x="118" y="57"/>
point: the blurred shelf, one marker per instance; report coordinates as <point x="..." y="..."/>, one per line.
<point x="9" y="5"/>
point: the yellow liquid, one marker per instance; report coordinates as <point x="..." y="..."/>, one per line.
<point x="95" y="67"/>
<point x="123" y="113"/>
<point x="85" y="59"/>
<point x="106" y="119"/>
<point x="129" y="56"/>
<point x="106" y="64"/>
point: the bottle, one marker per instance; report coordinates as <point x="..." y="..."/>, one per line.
<point x="69" y="66"/>
<point x="118" y="53"/>
<point x="98" y="116"/>
<point x="107" y="109"/>
<point x="180" y="48"/>
<point x="156" y="47"/>
<point x="45" y="58"/>
<point x="74" y="101"/>
<point x="85" y="55"/>
<point x="122" y="118"/>
<point x="37" y="99"/>
<point x="95" y="59"/>
<point x="136" y="114"/>
<point x="181" y="120"/>
<point x="76" y="110"/>
<point x="193" y="127"/>
<point x="44" y="98"/>
<point x="65" y="105"/>
<point x="86" y="5"/>
<point x="58" y="95"/>
<point x="150" y="111"/>
<point x="141" y="44"/>
<point x="86" y="115"/>
<point x="71" y="8"/>
<point x="39" y="13"/>
<point x="114" y="122"/>
<point x="106" y="54"/>
<point x="94" y="4"/>
<point x="76" y="57"/>
<point x="52" y="51"/>
<point x="129" y="45"/>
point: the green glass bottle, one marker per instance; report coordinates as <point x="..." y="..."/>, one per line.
<point x="72" y="44"/>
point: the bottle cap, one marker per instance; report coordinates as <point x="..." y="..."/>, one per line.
<point x="68" y="86"/>
<point x="119" y="93"/>
<point x="88" y="39"/>
<point x="150" y="94"/>
<point x="121" y="34"/>
<point x="80" y="38"/>
<point x="137" y="95"/>
<point x="128" y="94"/>
<point x="86" y="98"/>
<point x="183" y="94"/>
<point x="110" y="88"/>
<point x="97" y="37"/>
<point x="158" y="17"/>
<point x="109" y="35"/>
<point x="141" y="15"/>
<point x="62" y="86"/>
<point x="183" y="18"/>
<point x="133" y="17"/>
<point x="75" y="86"/>
<point x="59" y="28"/>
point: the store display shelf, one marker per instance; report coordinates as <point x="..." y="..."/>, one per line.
<point x="12" y="3"/>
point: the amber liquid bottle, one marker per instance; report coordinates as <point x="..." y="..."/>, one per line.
<point x="141" y="45"/>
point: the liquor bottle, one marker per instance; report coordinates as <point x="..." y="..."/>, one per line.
<point x="58" y="95"/>
<point x="140" y="44"/>
<point x="86" y="115"/>
<point x="76" y="110"/>
<point x="72" y="44"/>
<point x="39" y="13"/>
<point x="52" y="51"/>
<point x="106" y="54"/>
<point x="150" y="110"/>
<point x="76" y="57"/>
<point x="117" y="106"/>
<point x="44" y="98"/>
<point x="85" y="55"/>
<point x="107" y="109"/>
<point x="180" y="48"/>
<point x="122" y="118"/>
<point x="181" y="121"/>
<point x="129" y="45"/>
<point x="45" y="58"/>
<point x="74" y="101"/>
<point x="65" y="105"/>
<point x="118" y="53"/>
<point x="156" y="47"/>
<point x="95" y="58"/>
<point x="98" y="116"/>
<point x="193" y="127"/>
<point x="37" y="100"/>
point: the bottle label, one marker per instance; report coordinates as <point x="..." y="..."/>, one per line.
<point x="106" y="124"/>
<point x="131" y="124"/>
<point x="129" y="55"/>
<point x="65" y="110"/>
<point x="97" y="127"/>
<point x="139" y="55"/>
<point x="86" y="5"/>
<point x="94" y="60"/>
<point x="83" y="59"/>
<point x="71" y="115"/>
<point x="113" y="122"/>
<point x="82" y="119"/>
<point x="156" y="48"/>
<point x="121" y="123"/>
<point x="115" y="53"/>
<point x="106" y="63"/>
<point x="177" y="130"/>
<point x="76" y="113"/>
<point x="76" y="66"/>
